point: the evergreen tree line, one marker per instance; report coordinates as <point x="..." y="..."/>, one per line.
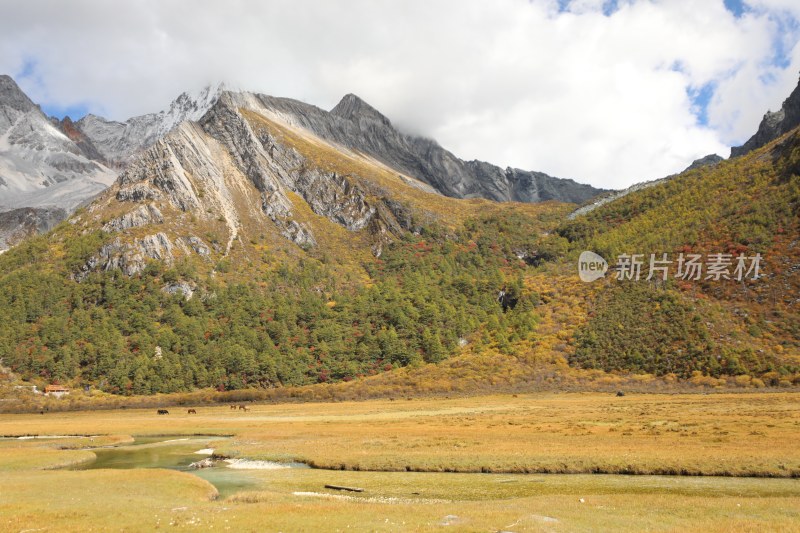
<point x="295" y="325"/>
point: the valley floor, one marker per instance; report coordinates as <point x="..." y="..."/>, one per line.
<point x="543" y="462"/>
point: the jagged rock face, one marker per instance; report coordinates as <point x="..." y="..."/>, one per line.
<point x="141" y="216"/>
<point x="358" y="126"/>
<point x="60" y="165"/>
<point x="773" y="125"/>
<point x="183" y="288"/>
<point x="225" y="124"/>
<point x="179" y="158"/>
<point x="335" y="197"/>
<point x="204" y="157"/>
<point x="12" y="97"/>
<point x="21" y="223"/>
<point x="224" y="171"/>
<point x="40" y="167"/>
<point x="130" y="258"/>
<point x="192" y="172"/>
<point x="35" y="155"/>
<point x="707" y="161"/>
<point x="274" y="168"/>
<point x="50" y="155"/>
<point x="118" y="141"/>
<point x="163" y="170"/>
<point x="186" y="171"/>
<point x="535" y="187"/>
<point x="85" y="144"/>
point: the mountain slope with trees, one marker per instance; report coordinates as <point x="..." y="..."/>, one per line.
<point x="245" y="251"/>
<point x="749" y="205"/>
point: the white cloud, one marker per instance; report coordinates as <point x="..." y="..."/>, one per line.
<point x="572" y="93"/>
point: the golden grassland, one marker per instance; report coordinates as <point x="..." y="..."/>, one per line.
<point x="694" y="434"/>
<point x="731" y="434"/>
<point x="40" y="458"/>
<point x="148" y="500"/>
<point x="714" y="434"/>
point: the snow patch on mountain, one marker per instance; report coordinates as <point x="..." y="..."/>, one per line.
<point x="41" y="169"/>
<point x="118" y="141"/>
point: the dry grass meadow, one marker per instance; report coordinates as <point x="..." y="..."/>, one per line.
<point x="420" y="463"/>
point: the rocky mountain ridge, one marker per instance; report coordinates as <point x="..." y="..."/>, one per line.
<point x="100" y="148"/>
<point x="239" y="170"/>
<point x="40" y="167"/>
<point x="116" y="142"/>
<point x="50" y="167"/>
<point x="773" y="125"/>
<point x="355" y="124"/>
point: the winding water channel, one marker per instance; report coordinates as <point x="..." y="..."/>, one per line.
<point x="177" y="453"/>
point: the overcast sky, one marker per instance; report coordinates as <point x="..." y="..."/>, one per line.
<point x="605" y="92"/>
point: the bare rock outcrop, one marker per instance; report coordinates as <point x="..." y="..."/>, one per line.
<point x="773" y="125"/>
<point x="142" y="215"/>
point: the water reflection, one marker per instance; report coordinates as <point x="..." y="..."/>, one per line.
<point x="177" y="453"/>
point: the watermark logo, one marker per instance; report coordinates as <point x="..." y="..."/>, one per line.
<point x="591" y="266"/>
<point x="687" y="267"/>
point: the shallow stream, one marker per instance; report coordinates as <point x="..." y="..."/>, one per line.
<point x="177" y="453"/>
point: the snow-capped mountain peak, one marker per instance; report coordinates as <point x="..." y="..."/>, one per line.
<point x="39" y="164"/>
<point x="118" y="141"/>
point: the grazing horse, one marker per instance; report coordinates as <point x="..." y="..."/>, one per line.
<point x="191" y="412"/>
<point x="233" y="407"/>
<point x="243" y="408"/>
<point x="163" y="412"/>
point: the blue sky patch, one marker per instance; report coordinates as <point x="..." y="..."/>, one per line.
<point x="700" y="97"/>
<point x="609" y="6"/>
<point x="782" y="43"/>
<point x="28" y="77"/>
<point x="737" y="7"/>
<point x="74" y="112"/>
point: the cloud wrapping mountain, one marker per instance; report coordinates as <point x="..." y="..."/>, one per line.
<point x="610" y="93"/>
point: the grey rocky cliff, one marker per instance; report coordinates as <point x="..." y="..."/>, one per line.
<point x="68" y="128"/>
<point x="184" y="288"/>
<point x="130" y="258"/>
<point x="41" y="168"/>
<point x="118" y="141"/>
<point x="55" y="152"/>
<point x="143" y="215"/>
<point x="710" y="160"/>
<point x="275" y="168"/>
<point x="224" y="123"/>
<point x="181" y="172"/>
<point x="21" y="223"/>
<point x="12" y="96"/>
<point x="225" y="170"/>
<point x="773" y="125"/>
<point x="187" y="160"/>
<point x="356" y="125"/>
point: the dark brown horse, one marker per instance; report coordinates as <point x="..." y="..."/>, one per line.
<point x="163" y="412"/>
<point x="191" y="412"/>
